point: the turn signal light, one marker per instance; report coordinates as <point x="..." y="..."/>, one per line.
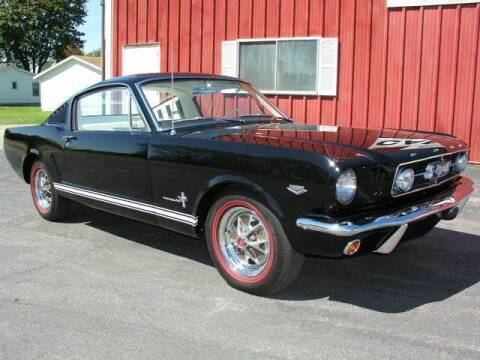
<point x="352" y="247"/>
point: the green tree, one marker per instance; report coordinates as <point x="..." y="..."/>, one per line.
<point x="32" y="31"/>
<point x="96" y="52"/>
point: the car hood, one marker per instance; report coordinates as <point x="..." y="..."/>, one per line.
<point x="387" y="146"/>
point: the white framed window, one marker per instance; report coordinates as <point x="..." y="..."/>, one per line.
<point x="303" y="66"/>
<point x="141" y="59"/>
<point x="408" y="3"/>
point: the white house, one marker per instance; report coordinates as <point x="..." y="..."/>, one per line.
<point x="17" y="86"/>
<point x="66" y="78"/>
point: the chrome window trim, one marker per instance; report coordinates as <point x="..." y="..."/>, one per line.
<point x="104" y="87"/>
<point x="128" y="204"/>
<point x="419" y="160"/>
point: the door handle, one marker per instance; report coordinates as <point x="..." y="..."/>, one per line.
<point x="68" y="138"/>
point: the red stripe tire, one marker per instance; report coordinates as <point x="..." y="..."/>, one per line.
<point x="39" y="174"/>
<point x="47" y="202"/>
<point x="249" y="247"/>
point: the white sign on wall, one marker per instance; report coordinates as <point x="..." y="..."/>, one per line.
<point x="141" y="59"/>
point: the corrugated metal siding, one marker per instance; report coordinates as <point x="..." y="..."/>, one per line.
<point x="415" y="68"/>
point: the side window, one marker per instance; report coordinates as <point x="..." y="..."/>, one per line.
<point x="108" y="110"/>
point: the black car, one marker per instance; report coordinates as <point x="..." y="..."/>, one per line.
<point x="211" y="156"/>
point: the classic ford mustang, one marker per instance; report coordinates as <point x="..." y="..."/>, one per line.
<point x="209" y="156"/>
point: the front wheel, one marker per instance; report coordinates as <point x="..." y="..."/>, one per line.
<point x="249" y="246"/>
<point x="47" y="202"/>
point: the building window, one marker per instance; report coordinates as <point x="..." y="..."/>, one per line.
<point x="278" y="66"/>
<point x="14" y="85"/>
<point x="35" y="89"/>
<point x="284" y="66"/>
<point x="408" y="3"/>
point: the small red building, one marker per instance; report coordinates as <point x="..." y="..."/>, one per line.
<point x="413" y="64"/>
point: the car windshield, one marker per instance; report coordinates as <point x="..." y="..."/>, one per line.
<point x="200" y="102"/>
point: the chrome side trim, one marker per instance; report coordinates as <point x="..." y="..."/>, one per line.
<point x="129" y="204"/>
<point x="347" y="228"/>
<point x="392" y="242"/>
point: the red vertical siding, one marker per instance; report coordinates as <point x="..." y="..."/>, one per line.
<point x="415" y="68"/>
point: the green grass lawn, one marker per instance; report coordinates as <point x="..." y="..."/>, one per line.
<point x="22" y="114"/>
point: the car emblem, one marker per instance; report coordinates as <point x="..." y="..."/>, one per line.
<point x="297" y="189"/>
<point x="436" y="170"/>
<point x="182" y="198"/>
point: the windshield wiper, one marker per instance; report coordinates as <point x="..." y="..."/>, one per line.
<point x="234" y="120"/>
<point x="267" y="116"/>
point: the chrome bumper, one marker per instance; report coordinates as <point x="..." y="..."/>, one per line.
<point x="457" y="199"/>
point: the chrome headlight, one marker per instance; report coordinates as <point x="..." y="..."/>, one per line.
<point x="404" y="180"/>
<point x="461" y="162"/>
<point x="346" y="187"/>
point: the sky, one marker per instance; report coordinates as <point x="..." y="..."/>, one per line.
<point x="93" y="26"/>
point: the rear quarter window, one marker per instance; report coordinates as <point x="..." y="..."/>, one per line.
<point x="59" y="116"/>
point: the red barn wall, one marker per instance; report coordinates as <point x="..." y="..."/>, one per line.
<point x="414" y="68"/>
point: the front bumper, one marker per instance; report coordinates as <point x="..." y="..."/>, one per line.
<point x="446" y="207"/>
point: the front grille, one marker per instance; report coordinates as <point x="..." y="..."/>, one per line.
<point x="420" y="169"/>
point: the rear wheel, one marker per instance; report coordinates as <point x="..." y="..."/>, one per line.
<point x="46" y="200"/>
<point x="249" y="247"/>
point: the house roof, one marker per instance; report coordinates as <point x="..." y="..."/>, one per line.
<point x="94" y="60"/>
<point x="95" y="63"/>
<point x="5" y="66"/>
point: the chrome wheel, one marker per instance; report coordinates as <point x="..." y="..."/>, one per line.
<point x="244" y="241"/>
<point x="43" y="191"/>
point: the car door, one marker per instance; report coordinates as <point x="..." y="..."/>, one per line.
<point x="106" y="152"/>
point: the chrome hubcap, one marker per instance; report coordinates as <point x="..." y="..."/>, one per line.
<point x="244" y="241"/>
<point x="43" y="191"/>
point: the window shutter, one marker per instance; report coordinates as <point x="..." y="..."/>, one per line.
<point x="230" y="58"/>
<point x="327" y="66"/>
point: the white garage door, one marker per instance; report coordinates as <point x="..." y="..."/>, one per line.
<point x="141" y="59"/>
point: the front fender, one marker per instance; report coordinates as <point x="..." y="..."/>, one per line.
<point x="218" y="183"/>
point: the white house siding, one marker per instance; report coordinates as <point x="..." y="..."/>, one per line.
<point x="63" y="82"/>
<point x="24" y="92"/>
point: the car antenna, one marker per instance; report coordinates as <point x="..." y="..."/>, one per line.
<point x="172" y="131"/>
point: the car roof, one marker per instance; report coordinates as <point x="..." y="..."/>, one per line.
<point x="133" y="79"/>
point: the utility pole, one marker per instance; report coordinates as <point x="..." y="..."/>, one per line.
<point x="102" y="4"/>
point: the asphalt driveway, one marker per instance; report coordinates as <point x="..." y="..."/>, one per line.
<point x="103" y="287"/>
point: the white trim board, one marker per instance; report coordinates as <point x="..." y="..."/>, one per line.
<point x="410" y="3"/>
